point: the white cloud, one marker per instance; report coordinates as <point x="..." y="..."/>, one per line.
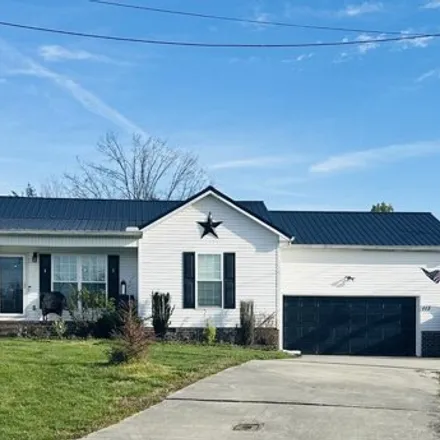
<point x="341" y="58"/>
<point x="259" y="17"/>
<point x="304" y="56"/>
<point x="256" y="162"/>
<point x="246" y="60"/>
<point x="431" y="73"/>
<point x="433" y="4"/>
<point x="361" y="9"/>
<point x="60" y="53"/>
<point x="299" y="58"/>
<point x="375" y="156"/>
<point x="369" y="43"/>
<point x="19" y="64"/>
<point x="421" y="42"/>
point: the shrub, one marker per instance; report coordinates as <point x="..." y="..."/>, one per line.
<point x="59" y="328"/>
<point x="266" y="333"/>
<point x="85" y="309"/>
<point x="247" y="322"/>
<point x="131" y="341"/>
<point x="161" y="313"/>
<point x="209" y="334"/>
<point x="107" y="325"/>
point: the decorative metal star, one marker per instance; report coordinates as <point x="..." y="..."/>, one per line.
<point x="209" y="226"/>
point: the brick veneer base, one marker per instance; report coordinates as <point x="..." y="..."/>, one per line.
<point x="431" y="344"/>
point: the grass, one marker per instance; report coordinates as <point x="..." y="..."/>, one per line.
<point x="59" y="390"/>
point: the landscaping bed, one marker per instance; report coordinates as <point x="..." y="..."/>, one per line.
<point x="57" y="390"/>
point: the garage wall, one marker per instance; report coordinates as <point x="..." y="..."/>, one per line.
<point x="380" y="273"/>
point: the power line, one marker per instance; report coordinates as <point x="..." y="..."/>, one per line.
<point x="216" y="45"/>
<point x="242" y="20"/>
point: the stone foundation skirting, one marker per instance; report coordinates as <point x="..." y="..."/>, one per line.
<point x="263" y="336"/>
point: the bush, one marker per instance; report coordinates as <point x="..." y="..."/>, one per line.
<point x="85" y="309"/>
<point x="161" y="313"/>
<point x="209" y="334"/>
<point x="107" y="325"/>
<point x="266" y="333"/>
<point x="59" y="328"/>
<point x="247" y="322"/>
<point x="131" y="341"/>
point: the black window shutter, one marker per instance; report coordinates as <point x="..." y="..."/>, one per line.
<point x="113" y="277"/>
<point x="189" y="280"/>
<point x="45" y="274"/>
<point x="229" y="281"/>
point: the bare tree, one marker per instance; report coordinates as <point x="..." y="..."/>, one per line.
<point x="29" y="191"/>
<point x="54" y="187"/>
<point x="148" y="169"/>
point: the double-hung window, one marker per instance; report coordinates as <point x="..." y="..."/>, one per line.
<point x="209" y="280"/>
<point x="75" y="272"/>
<point x="65" y="274"/>
<point x="93" y="273"/>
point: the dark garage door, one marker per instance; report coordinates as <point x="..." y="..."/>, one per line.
<point x="350" y="325"/>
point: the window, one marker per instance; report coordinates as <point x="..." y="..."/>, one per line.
<point x="93" y="269"/>
<point x="209" y="280"/>
<point x="65" y="274"/>
<point x="72" y="272"/>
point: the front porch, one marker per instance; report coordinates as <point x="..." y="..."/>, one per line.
<point x="26" y="272"/>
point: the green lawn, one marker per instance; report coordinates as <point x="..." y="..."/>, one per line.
<point x="57" y="390"/>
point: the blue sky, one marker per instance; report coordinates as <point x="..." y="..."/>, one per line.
<point x="328" y="128"/>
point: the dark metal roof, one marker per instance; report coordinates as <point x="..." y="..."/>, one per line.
<point x="323" y="228"/>
<point x="360" y="228"/>
<point x="23" y="213"/>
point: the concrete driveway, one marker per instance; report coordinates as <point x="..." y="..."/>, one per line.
<point x="312" y="398"/>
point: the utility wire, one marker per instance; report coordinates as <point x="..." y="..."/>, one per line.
<point x="241" y="20"/>
<point x="216" y="45"/>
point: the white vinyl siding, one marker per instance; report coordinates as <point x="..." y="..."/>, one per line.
<point x="160" y="261"/>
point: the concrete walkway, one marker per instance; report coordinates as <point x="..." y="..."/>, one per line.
<point x="312" y="398"/>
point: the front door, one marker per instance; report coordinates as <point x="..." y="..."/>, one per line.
<point x="11" y="285"/>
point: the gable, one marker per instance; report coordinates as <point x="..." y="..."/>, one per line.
<point x="255" y="211"/>
<point x="182" y="228"/>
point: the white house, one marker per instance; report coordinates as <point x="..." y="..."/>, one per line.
<point x="329" y="282"/>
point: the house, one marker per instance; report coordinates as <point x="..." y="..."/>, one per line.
<point x="327" y="282"/>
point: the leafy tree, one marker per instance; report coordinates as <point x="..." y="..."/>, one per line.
<point x="382" y="207"/>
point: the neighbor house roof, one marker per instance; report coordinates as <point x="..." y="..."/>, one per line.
<point x="360" y="228"/>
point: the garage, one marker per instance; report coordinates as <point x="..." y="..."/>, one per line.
<point x="376" y="326"/>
